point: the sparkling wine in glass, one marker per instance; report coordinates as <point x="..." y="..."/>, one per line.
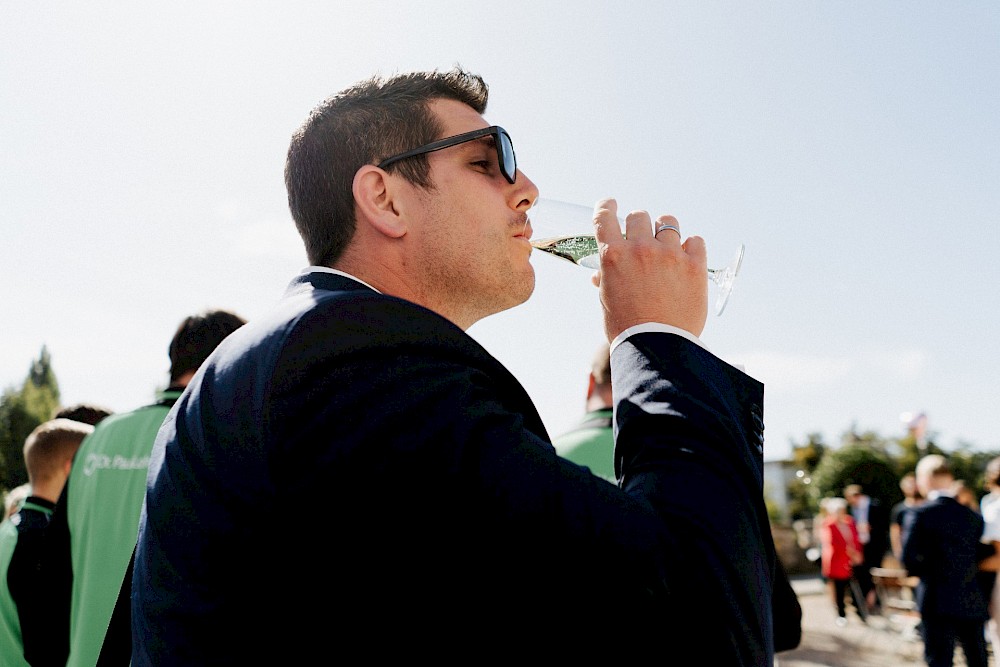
<point x="565" y="230"/>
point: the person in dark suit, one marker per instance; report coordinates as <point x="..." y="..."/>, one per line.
<point x="897" y="516"/>
<point x="942" y="547"/>
<point x="871" y="518"/>
<point x="352" y="473"/>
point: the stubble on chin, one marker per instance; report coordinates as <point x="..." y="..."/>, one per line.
<point x="483" y="278"/>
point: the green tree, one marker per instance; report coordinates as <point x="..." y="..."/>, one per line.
<point x="20" y="412"/>
<point x="874" y="462"/>
<point x="808" y="455"/>
<point x="802" y="503"/>
<point x="861" y="461"/>
<point x="868" y="440"/>
<point x="908" y="451"/>
<point x="969" y="465"/>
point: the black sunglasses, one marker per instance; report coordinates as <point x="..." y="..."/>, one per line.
<point x="501" y="140"/>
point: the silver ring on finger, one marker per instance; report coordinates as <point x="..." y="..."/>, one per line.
<point x="672" y="228"/>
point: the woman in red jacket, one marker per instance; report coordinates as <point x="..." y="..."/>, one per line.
<point x="841" y="550"/>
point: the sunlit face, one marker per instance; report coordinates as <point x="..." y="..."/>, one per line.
<point x="471" y="237"/>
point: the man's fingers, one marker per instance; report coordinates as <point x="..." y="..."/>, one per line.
<point x="606" y="227"/>
<point x="694" y="246"/>
<point x="637" y="226"/>
<point x="651" y="274"/>
<point x="667" y="229"/>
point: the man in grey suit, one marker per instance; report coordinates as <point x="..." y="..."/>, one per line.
<point x="353" y="462"/>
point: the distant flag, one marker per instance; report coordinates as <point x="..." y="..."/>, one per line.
<point x="916" y="424"/>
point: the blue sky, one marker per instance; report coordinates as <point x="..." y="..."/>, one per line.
<point x="853" y="147"/>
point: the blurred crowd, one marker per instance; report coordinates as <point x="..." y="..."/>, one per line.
<point x="938" y="548"/>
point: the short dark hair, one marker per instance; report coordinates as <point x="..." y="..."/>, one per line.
<point x="83" y="412"/>
<point x="197" y="336"/>
<point x="364" y="124"/>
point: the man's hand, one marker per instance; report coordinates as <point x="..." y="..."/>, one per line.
<point x="646" y="278"/>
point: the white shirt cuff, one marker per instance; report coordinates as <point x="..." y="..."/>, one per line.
<point x="656" y="327"/>
<point x="659" y="328"/>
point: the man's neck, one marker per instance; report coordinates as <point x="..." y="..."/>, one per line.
<point x="594" y="404"/>
<point x="390" y="284"/>
<point x="49" y="492"/>
<point x="938" y="492"/>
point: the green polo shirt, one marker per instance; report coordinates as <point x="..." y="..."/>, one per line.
<point x="11" y="644"/>
<point x="591" y="443"/>
<point x="11" y="637"/>
<point x="106" y="489"/>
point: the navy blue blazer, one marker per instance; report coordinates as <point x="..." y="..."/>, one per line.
<point x="354" y="465"/>
<point x="943" y="548"/>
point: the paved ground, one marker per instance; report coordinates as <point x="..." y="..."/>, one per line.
<point x="883" y="642"/>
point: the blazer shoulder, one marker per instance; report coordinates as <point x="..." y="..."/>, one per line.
<point x="366" y="319"/>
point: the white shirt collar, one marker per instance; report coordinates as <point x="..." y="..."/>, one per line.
<point x="327" y="269"/>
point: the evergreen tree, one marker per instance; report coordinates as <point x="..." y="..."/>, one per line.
<point x="20" y="412"/>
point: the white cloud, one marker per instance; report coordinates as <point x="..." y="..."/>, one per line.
<point x="784" y="371"/>
<point x="790" y="371"/>
<point x="907" y="364"/>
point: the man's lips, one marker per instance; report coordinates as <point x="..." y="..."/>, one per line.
<point x="526" y="230"/>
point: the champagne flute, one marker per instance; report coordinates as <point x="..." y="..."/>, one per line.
<point x="557" y="229"/>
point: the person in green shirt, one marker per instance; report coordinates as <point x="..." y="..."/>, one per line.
<point x="96" y="522"/>
<point x="591" y="442"/>
<point x="14" y="497"/>
<point x="24" y="612"/>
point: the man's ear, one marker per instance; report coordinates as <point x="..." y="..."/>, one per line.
<point x="591" y="385"/>
<point x="376" y="197"/>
